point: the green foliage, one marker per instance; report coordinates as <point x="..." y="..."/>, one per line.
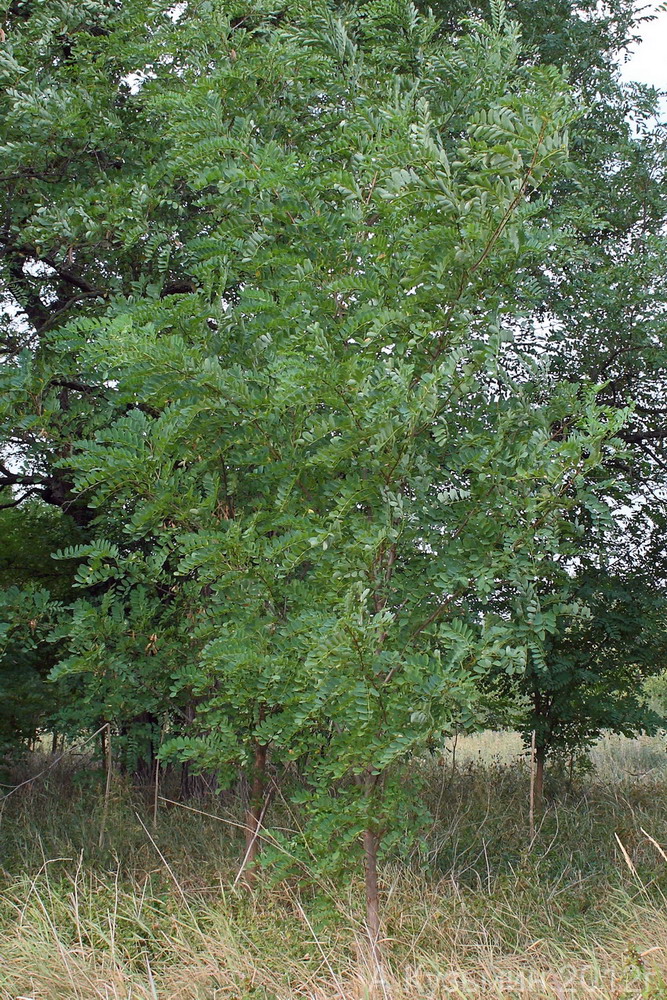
<point x="33" y="590"/>
<point x="341" y="470"/>
<point x="26" y="704"/>
<point x="301" y="350"/>
<point x="601" y="639"/>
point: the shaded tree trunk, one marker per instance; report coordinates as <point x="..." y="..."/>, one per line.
<point x="542" y="729"/>
<point x="103" y="741"/>
<point x="255" y="805"/>
<point x="184" y="784"/>
<point x="138" y="758"/>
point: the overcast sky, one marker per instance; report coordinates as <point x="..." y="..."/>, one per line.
<point x="649" y="60"/>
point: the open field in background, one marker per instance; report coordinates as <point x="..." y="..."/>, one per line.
<point x="478" y="913"/>
<point x="614" y="758"/>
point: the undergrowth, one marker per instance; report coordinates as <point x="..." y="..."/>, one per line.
<point x="477" y="911"/>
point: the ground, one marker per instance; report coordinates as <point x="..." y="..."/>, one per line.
<point x="478" y="911"/>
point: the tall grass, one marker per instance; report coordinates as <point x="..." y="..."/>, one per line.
<point x="477" y="912"/>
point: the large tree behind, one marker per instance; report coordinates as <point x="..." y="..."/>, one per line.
<point x="33" y="588"/>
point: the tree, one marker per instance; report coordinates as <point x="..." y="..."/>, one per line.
<point x="271" y="267"/>
<point x="602" y="639"/>
<point x="328" y="444"/>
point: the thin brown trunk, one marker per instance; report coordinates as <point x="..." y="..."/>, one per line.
<point x="156" y="790"/>
<point x="531" y="804"/>
<point x="107" y="789"/>
<point x="540" y="757"/>
<point x="184" y="783"/>
<point x="255" y="806"/>
<point x="454" y="745"/>
<point x="371" y="842"/>
<point x="541" y="708"/>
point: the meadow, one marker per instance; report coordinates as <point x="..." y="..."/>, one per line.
<point x="148" y="908"/>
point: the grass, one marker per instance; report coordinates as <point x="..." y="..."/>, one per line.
<point x="476" y="913"/>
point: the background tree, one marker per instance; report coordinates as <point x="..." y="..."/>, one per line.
<point x="602" y="640"/>
<point x="33" y="589"/>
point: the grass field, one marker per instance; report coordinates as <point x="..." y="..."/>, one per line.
<point x="477" y="912"/>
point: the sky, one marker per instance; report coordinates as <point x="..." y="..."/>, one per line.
<point x="648" y="63"/>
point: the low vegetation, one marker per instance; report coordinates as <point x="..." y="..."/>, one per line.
<point x="478" y="911"/>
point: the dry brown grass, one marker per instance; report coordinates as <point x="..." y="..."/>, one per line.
<point x="98" y="941"/>
<point x="477" y="914"/>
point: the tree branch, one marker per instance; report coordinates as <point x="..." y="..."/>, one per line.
<point x="635" y="436"/>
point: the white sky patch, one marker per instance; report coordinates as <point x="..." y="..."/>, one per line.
<point x="648" y="59"/>
<point x="177" y="11"/>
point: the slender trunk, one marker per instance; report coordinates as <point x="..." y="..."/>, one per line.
<point x="371" y="841"/>
<point x="103" y="743"/>
<point x="142" y="729"/>
<point x="540" y="757"/>
<point x="107" y="789"/>
<point x="255" y="806"/>
<point x="184" y="783"/>
<point x="156" y="790"/>
<point x="541" y="709"/>
<point x="531" y="804"/>
<point x="54" y="743"/>
<point x="454" y="744"/>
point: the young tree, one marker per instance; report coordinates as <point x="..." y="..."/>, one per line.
<point x="271" y="265"/>
<point x="330" y="442"/>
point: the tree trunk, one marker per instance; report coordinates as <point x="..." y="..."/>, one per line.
<point x="541" y="731"/>
<point x="103" y="742"/>
<point x="371" y="842"/>
<point x="540" y="757"/>
<point x="255" y="806"/>
<point x="142" y="730"/>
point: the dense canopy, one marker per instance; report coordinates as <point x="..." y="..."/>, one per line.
<point x="333" y="361"/>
